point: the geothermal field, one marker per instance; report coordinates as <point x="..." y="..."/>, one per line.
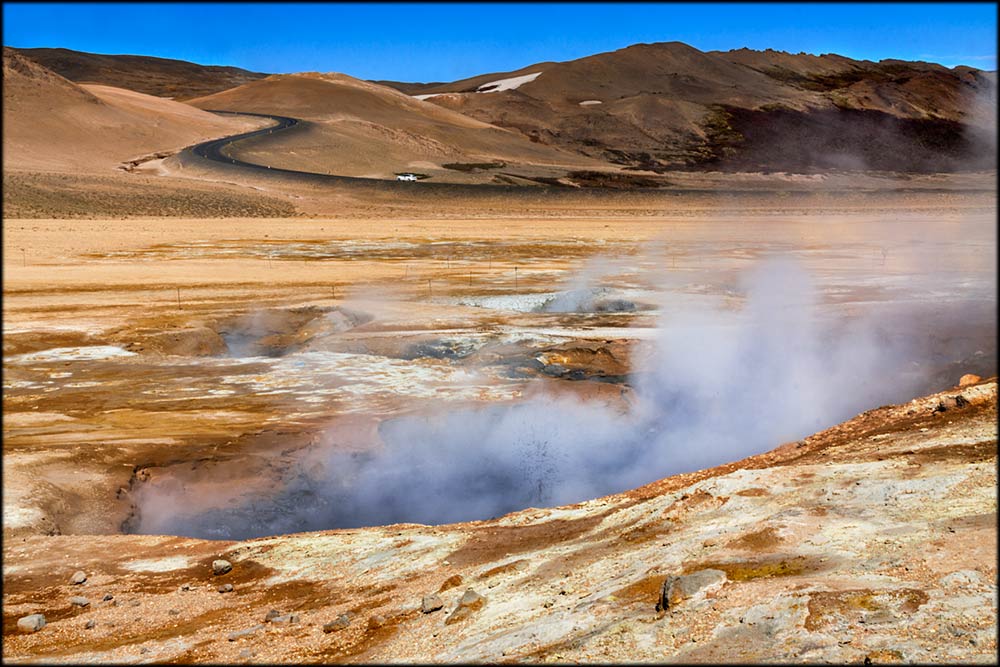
<point x="277" y="406"/>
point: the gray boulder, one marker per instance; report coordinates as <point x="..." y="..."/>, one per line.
<point x="431" y="603"/>
<point x="79" y="601"/>
<point x="78" y="577"/>
<point x="32" y="623"/>
<point x="221" y="567"/>
<point x="342" y="622"/>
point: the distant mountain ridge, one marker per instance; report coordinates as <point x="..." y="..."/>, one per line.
<point x="668" y="105"/>
<point x="163" y="77"/>
<point x="650" y="108"/>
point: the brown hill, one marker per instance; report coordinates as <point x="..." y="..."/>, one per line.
<point x="668" y="105"/>
<point x="163" y="77"/>
<point x="52" y="124"/>
<point x="359" y="128"/>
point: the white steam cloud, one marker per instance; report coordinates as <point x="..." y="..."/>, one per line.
<point x="721" y="384"/>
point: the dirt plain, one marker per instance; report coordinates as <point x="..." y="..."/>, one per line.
<point x="220" y="353"/>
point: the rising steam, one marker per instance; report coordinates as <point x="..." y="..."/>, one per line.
<point x="722" y="384"/>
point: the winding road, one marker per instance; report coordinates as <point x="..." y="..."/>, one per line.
<point x="213" y="150"/>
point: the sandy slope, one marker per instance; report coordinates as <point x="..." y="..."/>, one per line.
<point x="358" y="128"/>
<point x="163" y="77"/>
<point x="52" y="124"/>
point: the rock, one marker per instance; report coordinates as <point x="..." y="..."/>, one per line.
<point x="186" y="587"/>
<point x="246" y="653"/>
<point x="431" y="603"/>
<point x="376" y="621"/>
<point x="233" y="636"/>
<point x="32" y="623"/>
<point x="134" y="603"/>
<point x="90" y="624"/>
<point x="271" y="615"/>
<point x="679" y="588"/>
<point x="471" y="601"/>
<point x="144" y="649"/>
<point x="79" y="601"/>
<point x="107" y="597"/>
<point x="285" y="618"/>
<point x="969" y="379"/>
<point x="174" y="612"/>
<point x="221" y="567"/>
<point x="226" y="588"/>
<point x="342" y="622"/>
<point x="78" y="578"/>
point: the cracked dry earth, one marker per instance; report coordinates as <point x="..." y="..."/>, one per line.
<point x="874" y="539"/>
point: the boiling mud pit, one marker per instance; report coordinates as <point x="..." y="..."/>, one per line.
<point x="474" y="378"/>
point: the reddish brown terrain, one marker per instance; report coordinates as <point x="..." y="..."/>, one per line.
<point x="162" y="77"/>
<point x="667" y="106"/>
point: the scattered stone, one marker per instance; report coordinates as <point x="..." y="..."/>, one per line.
<point x="78" y="578"/>
<point x="548" y="604"/>
<point x="90" y="624"/>
<point x="233" y="636"/>
<point x="144" y="650"/>
<point x="969" y="379"/>
<point x="431" y="603"/>
<point x="32" y="623"/>
<point x="186" y="587"/>
<point x="226" y="588"/>
<point x="174" y="612"/>
<point x="79" y="601"/>
<point x="677" y="589"/>
<point x="342" y="622"/>
<point x="285" y="618"/>
<point x="271" y="615"/>
<point x="108" y="597"/>
<point x="376" y="621"/>
<point x="471" y="601"/>
<point x="221" y="567"/>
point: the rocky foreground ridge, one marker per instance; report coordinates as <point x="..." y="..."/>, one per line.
<point x="873" y="541"/>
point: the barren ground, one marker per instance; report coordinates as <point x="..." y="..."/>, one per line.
<point x="219" y="353"/>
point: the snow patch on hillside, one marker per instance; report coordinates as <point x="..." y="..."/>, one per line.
<point x="507" y="84"/>
<point x="494" y="86"/>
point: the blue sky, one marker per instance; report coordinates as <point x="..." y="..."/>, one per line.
<point x="448" y="41"/>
